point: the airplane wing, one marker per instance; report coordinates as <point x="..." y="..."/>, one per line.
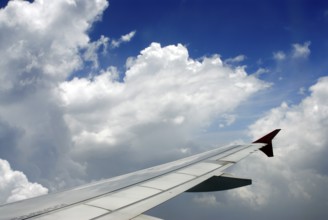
<point x="129" y="196"/>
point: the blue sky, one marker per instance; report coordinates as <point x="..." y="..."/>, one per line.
<point x="91" y="89"/>
<point x="252" y="28"/>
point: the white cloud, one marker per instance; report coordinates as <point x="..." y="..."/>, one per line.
<point x="15" y="186"/>
<point x="280" y="55"/>
<point x="256" y="200"/>
<point x="123" y="39"/>
<point x="41" y="46"/>
<point x="45" y="36"/>
<point x="236" y="59"/>
<point x="301" y="51"/>
<point x="101" y="125"/>
<point x="52" y="134"/>
<point x="206" y="200"/>
<point x="91" y="53"/>
<point x="298" y="51"/>
<point x="165" y="94"/>
<point x="299" y="171"/>
<point x="56" y="135"/>
<point x="128" y="37"/>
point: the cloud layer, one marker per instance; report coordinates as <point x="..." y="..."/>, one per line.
<point x="61" y="133"/>
<point x="301" y="145"/>
<point x="41" y="47"/>
<point x="291" y="184"/>
<point x="299" y="172"/>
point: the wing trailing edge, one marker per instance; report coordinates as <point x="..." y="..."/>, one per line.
<point x="219" y="183"/>
<point x="267" y="139"/>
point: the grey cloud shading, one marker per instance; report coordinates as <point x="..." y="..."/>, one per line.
<point x="40" y="48"/>
<point x="291" y="185"/>
<point x="296" y="178"/>
<point x="8" y="139"/>
<point x="61" y="132"/>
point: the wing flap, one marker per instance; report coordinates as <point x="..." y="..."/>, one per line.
<point x="219" y="183"/>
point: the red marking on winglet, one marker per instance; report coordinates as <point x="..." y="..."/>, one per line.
<point x="267" y="139"/>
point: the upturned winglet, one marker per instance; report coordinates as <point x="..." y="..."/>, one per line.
<point x="267" y="139"/>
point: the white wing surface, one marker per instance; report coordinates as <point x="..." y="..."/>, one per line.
<point x="129" y="196"/>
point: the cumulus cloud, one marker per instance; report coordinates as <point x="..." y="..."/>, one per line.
<point x="299" y="171"/>
<point x="165" y="97"/>
<point x="291" y="185"/>
<point x="41" y="46"/>
<point x="123" y="39"/>
<point x="42" y="38"/>
<point x="55" y="131"/>
<point x="15" y="186"/>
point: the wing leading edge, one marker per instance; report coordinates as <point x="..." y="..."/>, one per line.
<point x="130" y="195"/>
